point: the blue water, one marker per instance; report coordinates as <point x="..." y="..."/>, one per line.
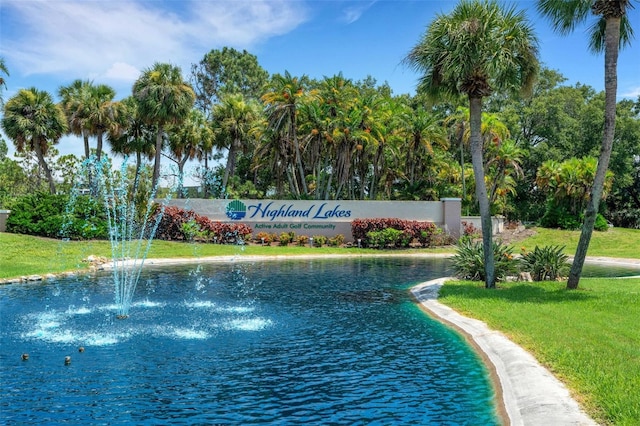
<point x="283" y="342"/>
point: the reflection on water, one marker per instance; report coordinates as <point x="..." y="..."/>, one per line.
<point x="304" y="342"/>
<point x="592" y="270"/>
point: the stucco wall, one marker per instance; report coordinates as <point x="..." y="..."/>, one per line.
<point x="4" y="214"/>
<point x="497" y="223"/>
<point x="321" y="217"/>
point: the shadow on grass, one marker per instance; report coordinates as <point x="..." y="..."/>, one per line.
<point x="518" y="293"/>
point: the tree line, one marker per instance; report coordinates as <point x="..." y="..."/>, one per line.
<point x="355" y="140"/>
<point x="500" y="131"/>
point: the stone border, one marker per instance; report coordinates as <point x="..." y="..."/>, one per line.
<point x="527" y="393"/>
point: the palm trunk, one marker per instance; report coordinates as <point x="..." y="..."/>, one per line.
<point x="137" y="174"/>
<point x="47" y="172"/>
<point x="475" y="120"/>
<point x="296" y="145"/>
<point x="181" y="191"/>
<point x="99" y="146"/>
<point x="158" y="156"/>
<point x="229" y="169"/>
<point x="87" y="150"/>
<point x="612" y="44"/>
<point x="464" y="187"/>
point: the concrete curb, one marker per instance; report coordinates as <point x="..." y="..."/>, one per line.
<point x="530" y="394"/>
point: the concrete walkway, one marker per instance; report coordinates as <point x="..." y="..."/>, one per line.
<point x="529" y="393"/>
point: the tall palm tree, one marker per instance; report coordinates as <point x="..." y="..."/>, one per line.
<point x="314" y="125"/>
<point x="610" y="31"/>
<point x="504" y="165"/>
<point x="90" y="111"/>
<point x="423" y="130"/>
<point x="477" y="49"/>
<point x="235" y="118"/>
<point x="164" y="98"/>
<point x="103" y="112"/>
<point x="34" y="122"/>
<point x="75" y="103"/>
<point x="285" y="92"/>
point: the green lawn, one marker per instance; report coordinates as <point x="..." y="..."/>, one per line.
<point x="589" y="338"/>
<point x="616" y="242"/>
<point x="27" y="255"/>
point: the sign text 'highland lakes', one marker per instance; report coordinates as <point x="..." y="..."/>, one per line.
<point x="322" y="211"/>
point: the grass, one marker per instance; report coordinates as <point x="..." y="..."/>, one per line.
<point x="27" y="255"/>
<point x="588" y="338"/>
<point x="616" y="242"/>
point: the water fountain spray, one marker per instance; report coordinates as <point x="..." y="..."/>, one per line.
<point x="131" y="227"/>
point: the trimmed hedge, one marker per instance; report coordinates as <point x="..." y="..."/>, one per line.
<point x="375" y="232"/>
<point x="185" y="225"/>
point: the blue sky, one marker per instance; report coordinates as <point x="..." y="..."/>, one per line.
<point x="50" y="43"/>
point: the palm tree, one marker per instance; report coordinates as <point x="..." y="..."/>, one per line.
<point x="3" y="83"/>
<point x="164" y="98"/>
<point x="103" y="113"/>
<point x="505" y="163"/>
<point x="611" y="30"/>
<point x="285" y="91"/>
<point x="235" y="118"/>
<point x="314" y="125"/>
<point x="75" y="103"/>
<point x="185" y="142"/>
<point x="132" y="135"/>
<point x="423" y="129"/>
<point x="34" y="122"/>
<point x="477" y="49"/>
<point x="90" y="111"/>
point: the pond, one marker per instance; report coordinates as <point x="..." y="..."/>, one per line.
<point x="336" y="341"/>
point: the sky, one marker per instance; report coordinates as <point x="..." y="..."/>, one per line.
<point x="50" y="43"/>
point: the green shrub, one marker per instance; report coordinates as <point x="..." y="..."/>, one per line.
<point x="55" y="216"/>
<point x="388" y="237"/>
<point x="191" y="230"/>
<point x="601" y="224"/>
<point x="336" y="241"/>
<point x="421" y="231"/>
<point x="302" y="240"/>
<point x="285" y="238"/>
<point x="468" y="262"/>
<point x="558" y="216"/>
<point x="569" y="222"/>
<point x="546" y="263"/>
<point x="319" y="240"/>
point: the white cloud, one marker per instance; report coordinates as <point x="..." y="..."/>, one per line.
<point x="114" y="39"/>
<point x="353" y="13"/>
<point x="632" y="93"/>
<point x="242" y="23"/>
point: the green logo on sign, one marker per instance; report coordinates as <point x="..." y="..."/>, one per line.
<point x="236" y="210"/>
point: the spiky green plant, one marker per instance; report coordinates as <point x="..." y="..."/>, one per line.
<point x="468" y="262"/>
<point x="546" y="263"/>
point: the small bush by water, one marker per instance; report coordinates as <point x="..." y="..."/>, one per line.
<point x="468" y="262"/>
<point x="543" y="263"/>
